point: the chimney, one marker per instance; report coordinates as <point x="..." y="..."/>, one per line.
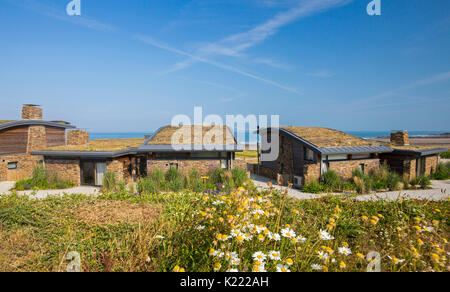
<point x="77" y="137"/>
<point x="31" y="112"/>
<point x="400" y="138"/>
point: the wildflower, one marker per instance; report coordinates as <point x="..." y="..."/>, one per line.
<point x="295" y="211"/>
<point x="428" y="229"/>
<point x="287" y="232"/>
<point x="345" y="251"/>
<point x="147" y="259"/>
<point x="274" y="236"/>
<point x="217" y="267"/>
<point x="235" y="262"/>
<point x="435" y="256"/>
<point x="247" y="236"/>
<point x="260" y="237"/>
<point x="417" y="228"/>
<point x="324" y="235"/>
<point x="322" y="255"/>
<point x="365" y="218"/>
<point x="178" y="269"/>
<point x="360" y="255"/>
<point x="282" y="268"/>
<point x="212" y="252"/>
<point x="396" y="260"/>
<point x="159" y="237"/>
<point x="316" y="267"/>
<point x="259" y="268"/>
<point x="342" y="265"/>
<point x="301" y="239"/>
<point x="240" y="238"/>
<point x="235" y="232"/>
<point x="259" y="256"/>
<point x="274" y="255"/>
<point x="289" y="261"/>
<point x="233" y="271"/>
<point x="419" y="241"/>
<point x="200" y="227"/>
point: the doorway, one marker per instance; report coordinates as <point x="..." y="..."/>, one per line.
<point x="92" y="172"/>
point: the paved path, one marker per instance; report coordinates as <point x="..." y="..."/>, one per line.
<point x="440" y="191"/>
<point x="6" y="186"/>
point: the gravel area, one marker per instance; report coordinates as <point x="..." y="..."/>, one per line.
<point x="439" y="191"/>
<point x="6" y="186"/>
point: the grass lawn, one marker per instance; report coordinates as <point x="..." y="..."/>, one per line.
<point x="220" y="232"/>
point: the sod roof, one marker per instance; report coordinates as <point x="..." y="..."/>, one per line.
<point x="193" y="135"/>
<point x="106" y="145"/>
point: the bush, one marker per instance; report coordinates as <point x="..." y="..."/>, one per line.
<point x="313" y="187"/>
<point x="239" y="176"/>
<point x="159" y="178"/>
<point x="445" y="155"/>
<point x="41" y="180"/>
<point x="146" y="186"/>
<point x="423" y="181"/>
<point x="216" y="176"/>
<point x="442" y="172"/>
<point x="360" y="185"/>
<point x="332" y="181"/>
<point x="393" y="181"/>
<point x="175" y="180"/>
<point x="109" y="182"/>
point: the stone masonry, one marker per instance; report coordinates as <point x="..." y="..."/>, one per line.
<point x="345" y="168"/>
<point x="37" y="138"/>
<point x="203" y="166"/>
<point x="68" y="170"/>
<point x="400" y="138"/>
<point x="25" y="166"/>
<point x="31" y="112"/>
<point x="77" y="137"/>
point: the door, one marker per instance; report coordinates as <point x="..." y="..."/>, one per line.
<point x="88" y="173"/>
<point x="100" y="173"/>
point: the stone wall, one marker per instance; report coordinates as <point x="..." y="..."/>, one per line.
<point x="37" y="138"/>
<point x="25" y="166"/>
<point x="409" y="168"/>
<point x="30" y="112"/>
<point x="400" y="138"/>
<point x="431" y="164"/>
<point x="345" y="168"/>
<point x="203" y="166"/>
<point x="116" y="167"/>
<point x="311" y="172"/>
<point x="68" y="170"/>
<point x="77" y="137"/>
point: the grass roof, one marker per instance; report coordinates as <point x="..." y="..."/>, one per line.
<point x="193" y="135"/>
<point x="324" y="137"/>
<point x="107" y="145"/>
<point x="4" y="121"/>
<point x="412" y="147"/>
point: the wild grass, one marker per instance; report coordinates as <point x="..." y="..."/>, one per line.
<point x="247" y="154"/>
<point x="204" y="232"/>
<point x="445" y="155"/>
<point x="42" y="180"/>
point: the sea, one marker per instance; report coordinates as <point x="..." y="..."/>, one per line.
<point x="251" y="138"/>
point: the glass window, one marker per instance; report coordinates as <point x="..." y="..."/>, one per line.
<point x="12" y="165"/>
<point x="224" y="164"/>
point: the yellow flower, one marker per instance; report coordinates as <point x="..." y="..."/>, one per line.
<point x="220" y="219"/>
<point x="379" y="215"/>
<point x="360" y="255"/>
<point x="289" y="261"/>
<point x="373" y="222"/>
<point x="365" y="218"/>
<point x="212" y="251"/>
<point x="178" y="269"/>
<point x="419" y="241"/>
<point x="325" y="268"/>
<point x="435" y="256"/>
<point x="240" y="238"/>
<point x="417" y="228"/>
<point x="217" y="267"/>
<point x="295" y="211"/>
<point x="437" y="210"/>
<point x="345" y="244"/>
<point x="342" y="265"/>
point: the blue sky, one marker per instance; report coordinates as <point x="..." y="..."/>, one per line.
<point x="132" y="65"/>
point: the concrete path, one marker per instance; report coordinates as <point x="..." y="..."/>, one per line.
<point x="440" y="191"/>
<point x="6" y="186"/>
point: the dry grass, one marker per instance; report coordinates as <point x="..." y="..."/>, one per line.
<point x="114" y="212"/>
<point x="323" y="137"/>
<point x="212" y="135"/>
<point x="4" y="121"/>
<point x="247" y="154"/>
<point x="102" y="145"/>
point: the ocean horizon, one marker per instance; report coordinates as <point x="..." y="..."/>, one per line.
<point x="250" y="138"/>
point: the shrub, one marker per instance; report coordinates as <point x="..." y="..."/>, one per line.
<point x="40" y="177"/>
<point x="147" y="186"/>
<point x="41" y="181"/>
<point x="360" y="185"/>
<point x="442" y="172"/>
<point x="313" y="187"/>
<point x="423" y="181"/>
<point x="158" y="177"/>
<point x="332" y="181"/>
<point x="109" y="182"/>
<point x="228" y="183"/>
<point x="445" y="155"/>
<point x="239" y="176"/>
<point x="393" y="181"/>
<point x="357" y="172"/>
<point x="216" y="175"/>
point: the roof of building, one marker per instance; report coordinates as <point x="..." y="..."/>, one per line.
<point x="5" y="121"/>
<point x="325" y="138"/>
<point x="192" y="135"/>
<point x="101" y="145"/>
<point x="11" y="124"/>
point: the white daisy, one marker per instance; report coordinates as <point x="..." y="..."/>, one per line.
<point x="324" y="235"/>
<point x="283" y="268"/>
<point x="322" y="255"/>
<point x="287" y="232"/>
<point x="345" y="251"/>
<point x="275" y="255"/>
<point x="316" y="267"/>
<point x="259" y="256"/>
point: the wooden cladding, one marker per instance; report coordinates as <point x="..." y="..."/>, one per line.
<point x="14" y="141"/>
<point x="55" y="136"/>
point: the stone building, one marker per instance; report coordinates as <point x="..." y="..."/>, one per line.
<point x="306" y="153"/>
<point x="410" y="161"/>
<point x="183" y="147"/>
<point x="19" y="138"/>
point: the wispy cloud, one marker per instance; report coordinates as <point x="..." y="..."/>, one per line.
<point x="273" y="64"/>
<point x="236" y="44"/>
<point x="321" y="74"/>
<point x="155" y="43"/>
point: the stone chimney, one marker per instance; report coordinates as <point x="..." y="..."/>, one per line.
<point x="77" y="137"/>
<point x="31" y="112"/>
<point x="400" y="138"/>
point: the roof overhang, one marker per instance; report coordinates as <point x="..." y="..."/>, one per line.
<point x="424" y="152"/>
<point x="355" y="150"/>
<point x="87" y="154"/>
<point x="34" y="123"/>
<point x="191" y="148"/>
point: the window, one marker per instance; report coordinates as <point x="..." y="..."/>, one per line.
<point x="224" y="163"/>
<point x="12" y="165"/>
<point x="308" y="154"/>
<point x="173" y="165"/>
